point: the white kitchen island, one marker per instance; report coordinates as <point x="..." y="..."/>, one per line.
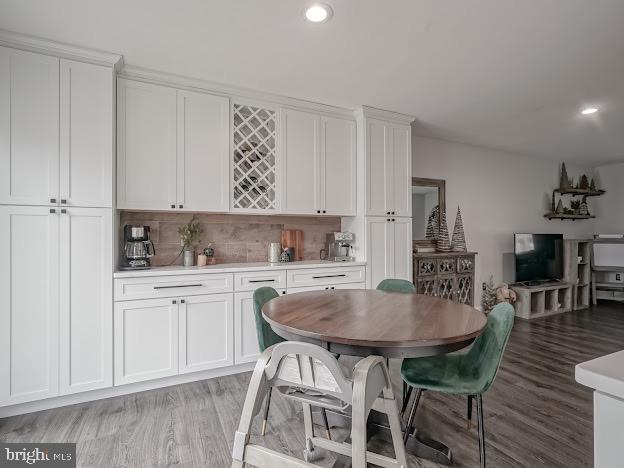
<point x="606" y="376"/>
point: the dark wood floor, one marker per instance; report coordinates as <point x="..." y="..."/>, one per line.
<point x="536" y="415"/>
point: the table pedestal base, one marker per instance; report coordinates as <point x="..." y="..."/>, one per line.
<point x="418" y="443"/>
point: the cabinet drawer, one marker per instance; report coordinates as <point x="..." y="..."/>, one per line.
<point x="327" y="287"/>
<point x="325" y="276"/>
<point x="252" y="280"/>
<point x="172" y="286"/>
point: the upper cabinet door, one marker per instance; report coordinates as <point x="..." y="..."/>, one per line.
<point x="378" y="168"/>
<point x="338" y="166"/>
<point x="29" y="128"/>
<point x="400" y="187"/>
<point x="203" y="149"/>
<point x="146" y="146"/>
<point x="86" y="299"/>
<point x="300" y="162"/>
<point x="29" y="307"/>
<point x="86" y="136"/>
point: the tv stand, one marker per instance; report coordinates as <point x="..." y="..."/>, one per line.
<point x="547" y="297"/>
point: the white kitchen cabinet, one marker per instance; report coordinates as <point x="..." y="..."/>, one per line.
<point x="206" y="332"/>
<point x="29" y="315"/>
<point x="301" y="162"/>
<point x="388" y="168"/>
<point x="389" y="249"/>
<point x="246" y="347"/>
<point x="86" y="134"/>
<point x="338" y="166"/>
<point x="29" y="128"/>
<point x="318" y="164"/>
<point x="146" y="340"/>
<point x="86" y="305"/>
<point x="202" y="152"/>
<point x="146" y="146"/>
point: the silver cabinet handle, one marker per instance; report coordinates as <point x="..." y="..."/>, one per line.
<point x="179" y="286"/>
<point x="262" y="281"/>
<point x="329" y="276"/>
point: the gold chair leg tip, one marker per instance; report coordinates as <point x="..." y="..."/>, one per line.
<point x="264" y="426"/>
<point x="328" y="434"/>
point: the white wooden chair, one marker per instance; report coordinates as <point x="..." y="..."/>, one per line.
<point x="311" y="375"/>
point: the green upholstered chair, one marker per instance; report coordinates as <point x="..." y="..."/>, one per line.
<point x="469" y="374"/>
<point x="266" y="338"/>
<point x="396" y="285"/>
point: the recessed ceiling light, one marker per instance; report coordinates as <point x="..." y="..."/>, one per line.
<point x="589" y="110"/>
<point x="318" y="13"/>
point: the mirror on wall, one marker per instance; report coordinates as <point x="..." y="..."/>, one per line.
<point x="428" y="200"/>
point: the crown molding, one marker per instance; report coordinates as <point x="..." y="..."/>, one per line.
<point x="235" y="92"/>
<point x="44" y="46"/>
<point x="381" y="114"/>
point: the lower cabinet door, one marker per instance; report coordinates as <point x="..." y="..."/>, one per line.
<point x="146" y="340"/>
<point x="86" y="298"/>
<point x="29" y="307"/>
<point x="246" y="348"/>
<point x="402" y="248"/>
<point x="206" y="332"/>
<point x="380" y="250"/>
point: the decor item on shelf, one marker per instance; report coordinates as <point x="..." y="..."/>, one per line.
<point x="584" y="183"/>
<point x="189" y="239"/>
<point x="575" y="206"/>
<point x="583" y="207"/>
<point x="293" y="238"/>
<point x="504" y="294"/>
<point x="458" y="242"/>
<point x="443" y="244"/>
<point x="285" y="256"/>
<point x="553" y="206"/>
<point x="564" y="180"/>
<point x="488" y="297"/>
<point x="209" y="252"/>
<point x="592" y="186"/>
<point x="202" y="260"/>
<point x="559" y="209"/>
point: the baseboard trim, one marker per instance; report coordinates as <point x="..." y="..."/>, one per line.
<point x="93" y="395"/>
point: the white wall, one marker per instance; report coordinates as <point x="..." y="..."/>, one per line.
<point x="610" y="209"/>
<point x="499" y="194"/>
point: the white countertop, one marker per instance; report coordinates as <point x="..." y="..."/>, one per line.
<point x="605" y="374"/>
<point x="231" y="268"/>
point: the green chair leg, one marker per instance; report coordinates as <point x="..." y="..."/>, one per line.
<point x="469" y="413"/>
<point x="266" y="413"/>
<point x="481" y="430"/>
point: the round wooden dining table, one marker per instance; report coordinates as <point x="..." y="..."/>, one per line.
<point x="361" y="322"/>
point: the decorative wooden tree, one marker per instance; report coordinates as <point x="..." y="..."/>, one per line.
<point x="458" y="242"/>
<point x="564" y="181"/>
<point x="433" y="224"/>
<point x="559" y="209"/>
<point x="553" y="207"/>
<point x="584" y="183"/>
<point x="592" y="186"/>
<point x="443" y="238"/>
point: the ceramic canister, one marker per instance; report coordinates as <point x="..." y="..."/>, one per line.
<point x="275" y="249"/>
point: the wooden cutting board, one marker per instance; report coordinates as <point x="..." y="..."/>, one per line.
<point x="293" y="238"/>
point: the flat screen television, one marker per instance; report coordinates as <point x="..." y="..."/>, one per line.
<point x="539" y="257"/>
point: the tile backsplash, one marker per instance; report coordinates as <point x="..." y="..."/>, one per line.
<point x="235" y="238"/>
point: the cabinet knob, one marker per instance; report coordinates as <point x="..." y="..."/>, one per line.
<point x="393" y="212"/>
<point x="63" y="211"/>
<point x="393" y="220"/>
<point x="324" y="211"/>
<point x="180" y="206"/>
<point x="182" y="301"/>
<point x="318" y="211"/>
<point x="52" y="200"/>
<point x="172" y="206"/>
<point x="333" y="287"/>
<point x="174" y="301"/>
<point x="387" y="212"/>
<point x="388" y="219"/>
<point x="63" y="201"/>
<point x="283" y="292"/>
<point x="52" y="210"/>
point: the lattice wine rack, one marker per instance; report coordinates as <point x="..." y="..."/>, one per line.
<point x="254" y="162"/>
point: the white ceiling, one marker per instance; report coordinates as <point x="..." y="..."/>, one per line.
<point x="505" y="74"/>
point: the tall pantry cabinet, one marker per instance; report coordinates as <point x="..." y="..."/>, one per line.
<point x="56" y="223"/>
<point x="383" y="225"/>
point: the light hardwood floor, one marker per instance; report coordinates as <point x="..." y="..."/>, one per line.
<point x="536" y="414"/>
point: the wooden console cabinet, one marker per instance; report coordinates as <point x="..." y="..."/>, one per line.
<point x="449" y="275"/>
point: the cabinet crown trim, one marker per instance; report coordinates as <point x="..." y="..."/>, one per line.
<point x="381" y="114"/>
<point x="67" y="51"/>
<point x="206" y="86"/>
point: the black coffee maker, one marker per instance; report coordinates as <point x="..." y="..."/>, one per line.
<point x="138" y="248"/>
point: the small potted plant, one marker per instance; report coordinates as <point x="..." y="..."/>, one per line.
<point x="189" y="240"/>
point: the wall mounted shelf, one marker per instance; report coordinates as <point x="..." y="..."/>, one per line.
<point x="580" y="192"/>
<point x="567" y="216"/>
